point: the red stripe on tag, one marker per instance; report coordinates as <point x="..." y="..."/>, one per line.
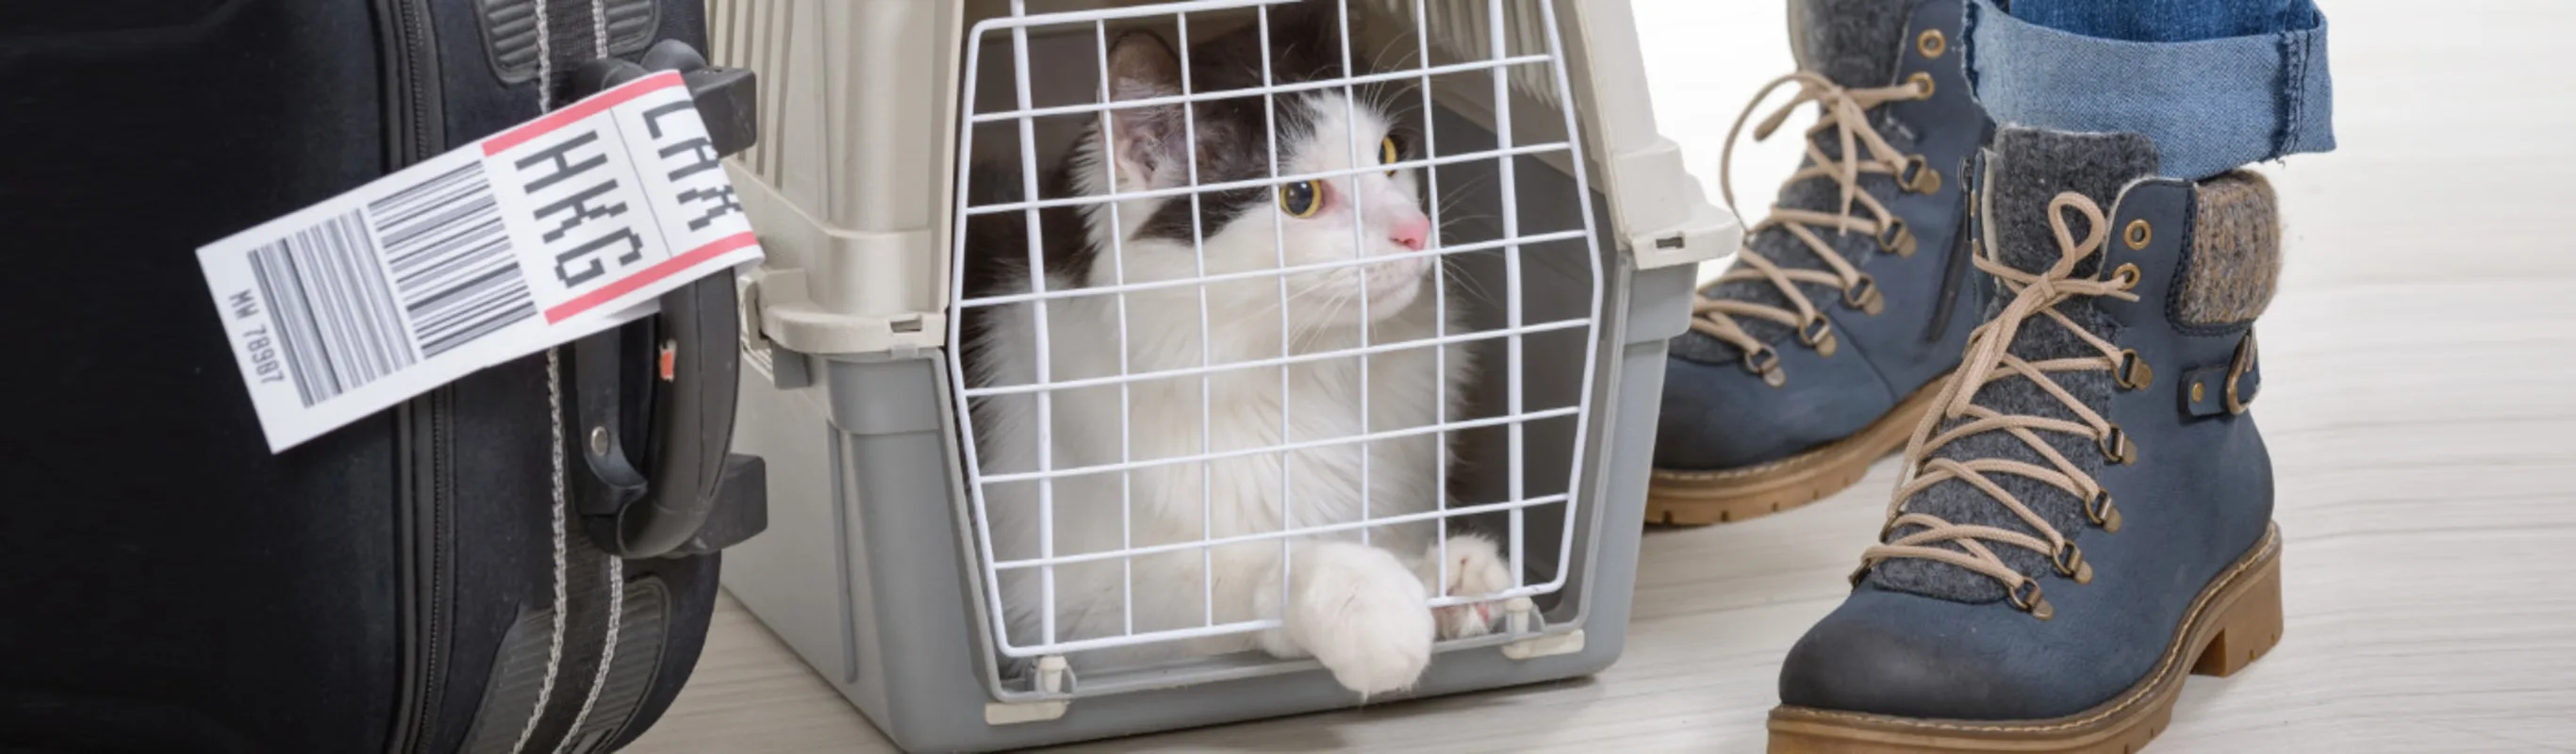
<point x="597" y="103"/>
<point x="668" y="267"/>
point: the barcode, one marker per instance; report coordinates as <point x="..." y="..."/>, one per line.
<point x="335" y="317"/>
<point x="451" y="259"/>
<point x="341" y="319"/>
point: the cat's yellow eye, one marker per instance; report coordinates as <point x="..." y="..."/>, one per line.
<point x="1387" y="154"/>
<point x="1301" y="199"/>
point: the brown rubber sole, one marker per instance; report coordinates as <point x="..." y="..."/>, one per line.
<point x="1700" y="498"/>
<point x="2231" y="624"/>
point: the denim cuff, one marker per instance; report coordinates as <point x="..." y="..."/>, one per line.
<point x="2209" y="105"/>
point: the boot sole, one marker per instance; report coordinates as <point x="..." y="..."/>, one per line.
<point x="2234" y="621"/>
<point x="1701" y="498"/>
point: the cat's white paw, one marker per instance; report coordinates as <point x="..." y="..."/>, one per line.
<point x="1359" y="612"/>
<point x="1476" y="567"/>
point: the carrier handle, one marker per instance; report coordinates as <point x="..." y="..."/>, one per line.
<point x="661" y="481"/>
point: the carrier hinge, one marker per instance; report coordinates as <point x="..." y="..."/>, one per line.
<point x="1053" y="676"/>
<point x="1521" y="618"/>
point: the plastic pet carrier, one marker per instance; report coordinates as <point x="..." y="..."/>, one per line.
<point x="1564" y="237"/>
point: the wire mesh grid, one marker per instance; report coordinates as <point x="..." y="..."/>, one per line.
<point x="1521" y="45"/>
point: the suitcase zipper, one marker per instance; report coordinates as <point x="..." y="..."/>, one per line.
<point x="429" y="537"/>
<point x="413" y="124"/>
<point x="411" y="68"/>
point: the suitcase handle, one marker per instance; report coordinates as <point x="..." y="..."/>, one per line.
<point x="665" y="385"/>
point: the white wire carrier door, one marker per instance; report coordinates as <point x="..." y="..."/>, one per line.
<point x="1170" y="415"/>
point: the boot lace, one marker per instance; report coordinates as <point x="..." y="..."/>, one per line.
<point x="1846" y="112"/>
<point x="1988" y="361"/>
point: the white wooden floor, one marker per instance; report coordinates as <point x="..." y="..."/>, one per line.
<point x="2418" y="406"/>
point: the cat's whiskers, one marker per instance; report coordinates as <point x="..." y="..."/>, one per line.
<point x="1386" y="93"/>
<point x="1332" y="309"/>
<point x="1377" y="62"/>
<point x="1273" y="307"/>
<point x="1459" y="191"/>
<point x="1459" y="278"/>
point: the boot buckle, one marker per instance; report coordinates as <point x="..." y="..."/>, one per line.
<point x="2224" y="389"/>
<point x="2236" y="373"/>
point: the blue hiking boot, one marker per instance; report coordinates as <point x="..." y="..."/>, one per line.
<point x="1811" y="357"/>
<point x="2087" y="516"/>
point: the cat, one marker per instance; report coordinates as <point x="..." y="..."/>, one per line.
<point x="1358" y="608"/>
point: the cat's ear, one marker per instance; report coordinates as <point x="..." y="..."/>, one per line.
<point x="1149" y="141"/>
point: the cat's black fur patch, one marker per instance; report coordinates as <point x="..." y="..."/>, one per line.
<point x="1305" y="45"/>
<point x="997" y="244"/>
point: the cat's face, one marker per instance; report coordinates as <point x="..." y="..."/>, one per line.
<point x="1371" y="212"/>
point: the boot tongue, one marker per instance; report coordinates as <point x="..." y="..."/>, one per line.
<point x="1853" y="42"/>
<point x="2027" y="169"/>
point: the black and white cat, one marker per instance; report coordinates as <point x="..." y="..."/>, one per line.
<point x="1358" y="608"/>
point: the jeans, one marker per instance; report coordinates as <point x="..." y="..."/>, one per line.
<point x="2215" y="83"/>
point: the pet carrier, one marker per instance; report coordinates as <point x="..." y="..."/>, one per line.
<point x="1566" y="233"/>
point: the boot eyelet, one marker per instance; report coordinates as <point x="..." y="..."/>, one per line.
<point x="2101" y="512"/>
<point x="1818" y="333"/>
<point x="2026" y="597"/>
<point x="1922" y="79"/>
<point x="2128" y="275"/>
<point x="2070" y="563"/>
<point x="1893" y="236"/>
<point x="1765" y="362"/>
<point x="2134" y="373"/>
<point x="1917" y="176"/>
<point x="2137" y="234"/>
<point x="2117" y="448"/>
<point x="1931" y="43"/>
<point x="1864" y="295"/>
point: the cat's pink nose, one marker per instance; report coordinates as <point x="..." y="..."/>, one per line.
<point x="1411" y="232"/>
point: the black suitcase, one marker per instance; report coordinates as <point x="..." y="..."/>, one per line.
<point x="421" y="580"/>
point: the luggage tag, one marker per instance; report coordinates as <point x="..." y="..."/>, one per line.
<point x="560" y="227"/>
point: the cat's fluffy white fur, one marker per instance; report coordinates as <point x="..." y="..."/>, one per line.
<point x="1359" y="609"/>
